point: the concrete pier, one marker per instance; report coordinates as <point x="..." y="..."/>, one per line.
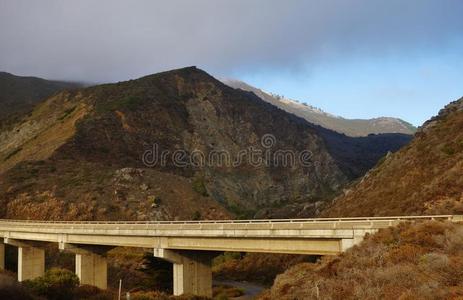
<point x="92" y="269"/>
<point x="91" y="264"/>
<point x="193" y="276"/>
<point x="31" y="263"/>
<point x="31" y="258"/>
<point x="2" y="255"/>
<point x="192" y="271"/>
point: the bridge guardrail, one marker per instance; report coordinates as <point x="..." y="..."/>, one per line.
<point x="257" y="221"/>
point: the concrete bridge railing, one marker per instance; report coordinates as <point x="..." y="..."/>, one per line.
<point x="189" y="245"/>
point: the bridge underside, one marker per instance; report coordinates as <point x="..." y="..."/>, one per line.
<point x="191" y="258"/>
<point x="308" y="246"/>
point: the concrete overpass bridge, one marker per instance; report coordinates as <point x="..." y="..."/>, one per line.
<point x="189" y="245"/>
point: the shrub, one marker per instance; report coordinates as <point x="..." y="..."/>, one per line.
<point x="199" y="187"/>
<point x="89" y="292"/>
<point x="448" y="149"/>
<point x="56" y="284"/>
<point x="149" y="296"/>
<point x="12" y="290"/>
<point x="196" y="216"/>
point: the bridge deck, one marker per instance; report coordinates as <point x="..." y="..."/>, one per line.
<point x="300" y="236"/>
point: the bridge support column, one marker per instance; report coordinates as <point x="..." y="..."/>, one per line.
<point x="31" y="263"/>
<point x="31" y="258"/>
<point x="192" y="271"/>
<point x="193" y="276"/>
<point x="2" y="255"/>
<point x="357" y="237"/>
<point x="92" y="269"/>
<point x="91" y="265"/>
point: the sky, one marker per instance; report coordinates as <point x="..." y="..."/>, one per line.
<point x="353" y="58"/>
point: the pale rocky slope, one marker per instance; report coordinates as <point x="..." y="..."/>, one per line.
<point x="350" y="127"/>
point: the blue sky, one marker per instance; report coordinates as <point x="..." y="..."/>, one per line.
<point x="413" y="85"/>
<point x="354" y="58"/>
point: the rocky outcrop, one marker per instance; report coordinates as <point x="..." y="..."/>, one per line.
<point x="452" y="107"/>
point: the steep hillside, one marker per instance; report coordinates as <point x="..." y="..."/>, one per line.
<point x="351" y="127"/>
<point x="425" y="177"/>
<point x="177" y="144"/>
<point x="18" y="95"/>
<point x="411" y="261"/>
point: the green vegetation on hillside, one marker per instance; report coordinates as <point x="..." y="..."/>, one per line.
<point x="128" y="102"/>
<point x="199" y="187"/>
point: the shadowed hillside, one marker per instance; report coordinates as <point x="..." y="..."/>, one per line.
<point x="425" y="177"/>
<point x="19" y="95"/>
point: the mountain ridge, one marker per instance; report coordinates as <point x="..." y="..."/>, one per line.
<point x="351" y="127"/>
<point x="19" y="94"/>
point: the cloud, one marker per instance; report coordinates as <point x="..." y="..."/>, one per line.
<point x="110" y="40"/>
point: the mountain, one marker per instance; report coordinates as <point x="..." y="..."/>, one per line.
<point x="425" y="177"/>
<point x="351" y="127"/>
<point x="173" y="145"/>
<point x="18" y="95"/>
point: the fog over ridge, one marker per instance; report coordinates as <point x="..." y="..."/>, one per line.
<point x="115" y="40"/>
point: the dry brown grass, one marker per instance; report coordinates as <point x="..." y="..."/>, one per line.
<point x="410" y="261"/>
<point x="51" y="124"/>
<point x="70" y="190"/>
<point x="163" y="296"/>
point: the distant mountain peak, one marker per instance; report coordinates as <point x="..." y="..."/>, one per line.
<point x="315" y="115"/>
<point x="304" y="105"/>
